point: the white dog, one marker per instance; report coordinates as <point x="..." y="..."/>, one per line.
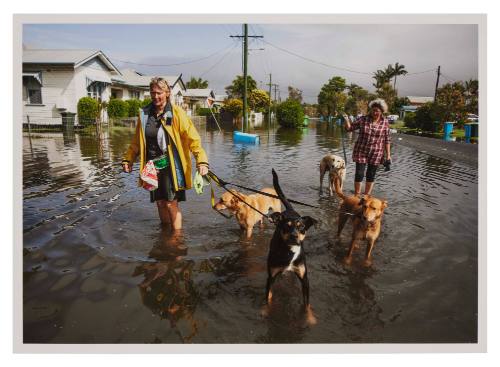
<point x="336" y="169"/>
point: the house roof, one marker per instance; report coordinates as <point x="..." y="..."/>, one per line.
<point x="417" y="99"/>
<point x="221" y="97"/>
<point x="72" y="57"/>
<point x="204" y="93"/>
<point x="137" y="79"/>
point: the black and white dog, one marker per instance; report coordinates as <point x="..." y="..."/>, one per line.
<point x="286" y="251"/>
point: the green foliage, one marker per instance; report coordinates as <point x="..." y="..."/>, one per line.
<point x="199" y="83"/>
<point x="88" y="110"/>
<point x="133" y="107"/>
<point x="428" y="116"/>
<point x="145" y="102"/>
<point x="451" y="99"/>
<point x="290" y="114"/>
<point x="471" y="96"/>
<point x="388" y="94"/>
<point x="331" y="98"/>
<point x="398" y="103"/>
<point x="234" y="106"/>
<point x="258" y="100"/>
<point x="117" y="108"/>
<point x="409" y="120"/>
<point x="235" y="90"/>
<point x="202" y="111"/>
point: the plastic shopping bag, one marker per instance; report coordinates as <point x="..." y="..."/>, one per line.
<point x="149" y="176"/>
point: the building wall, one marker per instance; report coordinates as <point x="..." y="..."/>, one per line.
<point x="58" y="91"/>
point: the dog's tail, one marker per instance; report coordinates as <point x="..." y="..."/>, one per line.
<point x="277" y="187"/>
<point x="338" y="189"/>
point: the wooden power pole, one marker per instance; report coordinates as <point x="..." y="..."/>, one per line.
<point x="437" y="82"/>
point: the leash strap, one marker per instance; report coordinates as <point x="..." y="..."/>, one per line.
<point x="223" y="183"/>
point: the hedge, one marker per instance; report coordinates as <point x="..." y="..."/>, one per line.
<point x="290" y="114"/>
<point x="133" y="107"/>
<point x="117" y="108"/>
<point x="88" y="110"/>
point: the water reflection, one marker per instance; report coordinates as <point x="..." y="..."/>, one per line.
<point x="289" y="137"/>
<point x="168" y="287"/>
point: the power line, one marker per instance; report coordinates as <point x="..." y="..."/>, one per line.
<point x="175" y="64"/>
<point x="220" y="60"/>
<point x="421" y="72"/>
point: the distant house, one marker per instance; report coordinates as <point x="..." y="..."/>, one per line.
<point x="133" y="84"/>
<point x="415" y="102"/>
<point x="198" y="98"/>
<point x="54" y="81"/>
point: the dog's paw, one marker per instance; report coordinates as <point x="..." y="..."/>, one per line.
<point x="347" y="260"/>
<point x="367" y="263"/>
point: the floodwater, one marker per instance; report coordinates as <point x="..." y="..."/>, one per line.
<point x="98" y="268"/>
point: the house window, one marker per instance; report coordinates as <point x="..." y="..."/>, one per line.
<point x="32" y="90"/>
<point x="135" y="94"/>
<point x="94" y="90"/>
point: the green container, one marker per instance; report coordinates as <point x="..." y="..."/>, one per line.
<point x="161" y="162"/>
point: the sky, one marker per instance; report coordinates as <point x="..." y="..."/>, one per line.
<point x="303" y="56"/>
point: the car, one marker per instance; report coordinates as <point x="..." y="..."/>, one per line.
<point x="471" y="117"/>
<point x="392" y="118"/>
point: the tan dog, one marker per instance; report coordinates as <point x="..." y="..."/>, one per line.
<point x="335" y="167"/>
<point x="366" y="213"/>
<point x="246" y="216"/>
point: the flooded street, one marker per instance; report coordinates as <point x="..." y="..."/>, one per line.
<point x="98" y="268"/>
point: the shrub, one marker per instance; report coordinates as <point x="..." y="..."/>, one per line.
<point x="234" y="106"/>
<point x="117" y="109"/>
<point x="145" y="102"/>
<point x="427" y="116"/>
<point x="133" y="107"/>
<point x="201" y="111"/>
<point x="409" y="120"/>
<point x="290" y="114"/>
<point x="88" y="110"/>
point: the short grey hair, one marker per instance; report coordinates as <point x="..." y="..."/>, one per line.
<point x="380" y="103"/>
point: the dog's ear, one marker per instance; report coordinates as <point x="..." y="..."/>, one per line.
<point x="275" y="217"/>
<point x="309" y="221"/>
<point x="384" y="204"/>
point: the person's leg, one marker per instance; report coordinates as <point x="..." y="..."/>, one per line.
<point x="163" y="212"/>
<point x="358" y="177"/>
<point x="370" y="178"/>
<point x="175" y="214"/>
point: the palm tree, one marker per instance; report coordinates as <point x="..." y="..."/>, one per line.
<point x="398" y="70"/>
<point x="381" y="77"/>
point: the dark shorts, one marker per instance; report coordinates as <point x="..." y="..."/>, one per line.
<point x="165" y="190"/>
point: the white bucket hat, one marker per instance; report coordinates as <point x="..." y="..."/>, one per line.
<point x="379" y="102"/>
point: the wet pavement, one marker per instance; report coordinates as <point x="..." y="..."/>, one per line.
<point x="98" y="268"/>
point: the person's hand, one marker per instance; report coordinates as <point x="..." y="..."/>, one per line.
<point x="202" y="169"/>
<point x="126" y="167"/>
<point x="387" y="164"/>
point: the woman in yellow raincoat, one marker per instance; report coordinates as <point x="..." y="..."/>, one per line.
<point x="165" y="131"/>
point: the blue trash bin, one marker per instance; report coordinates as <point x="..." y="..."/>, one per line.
<point x="474" y="130"/>
<point x="448" y="128"/>
<point x="468" y="130"/>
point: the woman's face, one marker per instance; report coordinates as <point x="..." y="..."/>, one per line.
<point x="376" y="113"/>
<point x="159" y="96"/>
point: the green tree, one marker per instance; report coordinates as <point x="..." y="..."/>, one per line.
<point x="331" y="98"/>
<point x="290" y="114"/>
<point x="388" y="94"/>
<point x="472" y="96"/>
<point x="235" y="90"/>
<point x="381" y="77"/>
<point x="398" y="103"/>
<point x="258" y="100"/>
<point x="199" y="83"/>
<point x="234" y="106"/>
<point x="451" y="99"/>
<point x="294" y="94"/>
<point x="396" y="71"/>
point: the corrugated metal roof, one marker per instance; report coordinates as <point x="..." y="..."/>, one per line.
<point x="46" y="56"/>
<point x="206" y="92"/>
<point x="418" y="99"/>
<point x="136" y="79"/>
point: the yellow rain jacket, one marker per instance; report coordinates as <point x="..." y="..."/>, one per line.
<point x="184" y="138"/>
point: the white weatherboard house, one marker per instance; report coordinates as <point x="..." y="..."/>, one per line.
<point x="133" y="84"/>
<point x="198" y="98"/>
<point x="54" y="81"/>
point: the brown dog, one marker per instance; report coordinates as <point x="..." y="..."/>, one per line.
<point x="336" y="169"/>
<point x="366" y="213"/>
<point x="246" y="216"/>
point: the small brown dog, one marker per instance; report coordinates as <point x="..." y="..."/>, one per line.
<point x="366" y="213"/>
<point x="336" y="169"/>
<point x="246" y="216"/>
